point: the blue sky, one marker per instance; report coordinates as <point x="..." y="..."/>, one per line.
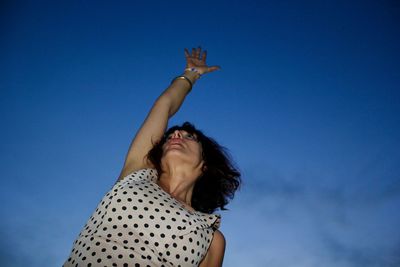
<point x="307" y="101"/>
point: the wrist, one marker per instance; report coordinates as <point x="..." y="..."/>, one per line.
<point x="193" y="76"/>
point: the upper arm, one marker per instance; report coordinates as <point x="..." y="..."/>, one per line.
<point x="150" y="132"/>
<point x="216" y="251"/>
<point x="154" y="126"/>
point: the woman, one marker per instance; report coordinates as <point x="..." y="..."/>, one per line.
<point x="159" y="213"/>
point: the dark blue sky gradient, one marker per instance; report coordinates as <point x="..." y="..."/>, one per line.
<point x="307" y="101"/>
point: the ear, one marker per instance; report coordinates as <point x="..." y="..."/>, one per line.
<point x="204" y="166"/>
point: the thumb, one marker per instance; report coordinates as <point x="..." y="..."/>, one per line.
<point x="213" y="68"/>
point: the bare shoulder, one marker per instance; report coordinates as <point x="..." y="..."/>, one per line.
<point x="219" y="239"/>
<point x="216" y="251"/>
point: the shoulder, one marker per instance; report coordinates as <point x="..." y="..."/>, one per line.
<point x="216" y="251"/>
<point x="149" y="174"/>
<point x="219" y="239"/>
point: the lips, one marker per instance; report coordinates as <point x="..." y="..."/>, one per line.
<point x="175" y="141"/>
<point x="179" y="144"/>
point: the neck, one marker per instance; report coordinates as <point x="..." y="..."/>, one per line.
<point x="178" y="182"/>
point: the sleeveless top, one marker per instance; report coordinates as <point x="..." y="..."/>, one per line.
<point x="137" y="223"/>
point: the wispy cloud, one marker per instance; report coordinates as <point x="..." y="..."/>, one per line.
<point x="303" y="221"/>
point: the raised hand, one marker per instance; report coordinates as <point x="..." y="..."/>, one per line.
<point x="197" y="59"/>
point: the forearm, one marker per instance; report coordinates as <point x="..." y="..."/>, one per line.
<point x="175" y="94"/>
<point x="166" y="105"/>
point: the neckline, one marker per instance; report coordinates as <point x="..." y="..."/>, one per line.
<point x="192" y="212"/>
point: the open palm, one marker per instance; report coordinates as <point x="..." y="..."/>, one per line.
<point x="197" y="59"/>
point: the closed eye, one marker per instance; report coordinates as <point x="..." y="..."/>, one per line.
<point x="190" y="136"/>
<point x="185" y="135"/>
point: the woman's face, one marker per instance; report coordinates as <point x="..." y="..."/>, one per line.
<point x="183" y="146"/>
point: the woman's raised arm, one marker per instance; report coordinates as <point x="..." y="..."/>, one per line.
<point x="166" y="105"/>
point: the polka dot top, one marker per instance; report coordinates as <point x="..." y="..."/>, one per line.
<point x="137" y="223"/>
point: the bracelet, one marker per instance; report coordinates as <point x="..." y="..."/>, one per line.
<point x="194" y="70"/>
<point x="184" y="78"/>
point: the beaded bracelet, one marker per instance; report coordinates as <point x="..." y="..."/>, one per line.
<point x="184" y="78"/>
<point x="194" y="70"/>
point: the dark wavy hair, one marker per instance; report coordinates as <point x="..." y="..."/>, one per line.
<point x="220" y="178"/>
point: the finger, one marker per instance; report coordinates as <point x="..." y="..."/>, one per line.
<point x="213" y="68"/>
<point x="193" y="52"/>
<point x="187" y="53"/>
<point x="198" y="52"/>
<point x="203" y="58"/>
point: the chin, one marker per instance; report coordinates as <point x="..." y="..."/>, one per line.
<point x="176" y="157"/>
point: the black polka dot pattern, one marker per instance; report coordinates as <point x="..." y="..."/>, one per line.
<point x="139" y="224"/>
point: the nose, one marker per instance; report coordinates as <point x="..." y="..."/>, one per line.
<point x="177" y="134"/>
